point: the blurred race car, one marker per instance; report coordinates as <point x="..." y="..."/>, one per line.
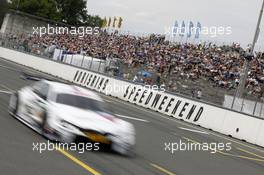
<point x="69" y="113"/>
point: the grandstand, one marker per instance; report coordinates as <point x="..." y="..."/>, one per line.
<point x="184" y="68"/>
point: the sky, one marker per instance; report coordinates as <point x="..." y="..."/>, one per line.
<point x="154" y="16"/>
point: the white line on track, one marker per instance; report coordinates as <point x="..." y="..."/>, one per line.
<point x="132" y="118"/>
<point x="194" y="130"/>
<point x="5" y="92"/>
<point x="109" y="101"/>
<point x="7" y="88"/>
<point x="8" y="67"/>
<point x="21" y="67"/>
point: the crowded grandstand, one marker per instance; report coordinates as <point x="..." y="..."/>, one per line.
<point x="220" y="65"/>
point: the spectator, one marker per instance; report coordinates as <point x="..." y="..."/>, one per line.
<point x="220" y="65"/>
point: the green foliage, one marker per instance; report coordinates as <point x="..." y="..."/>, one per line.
<point x="42" y="8"/>
<point x="94" y="21"/>
<point x="72" y="12"/>
<point x="3" y="8"/>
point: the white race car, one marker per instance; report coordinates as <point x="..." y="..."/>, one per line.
<point x="69" y="113"/>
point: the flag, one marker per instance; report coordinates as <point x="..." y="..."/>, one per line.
<point x="198" y="30"/>
<point x="120" y="22"/>
<point x="189" y="34"/>
<point x="114" y="22"/>
<point x="109" y="22"/>
<point x="175" y="29"/>
<point x="182" y="33"/>
<point x="104" y="22"/>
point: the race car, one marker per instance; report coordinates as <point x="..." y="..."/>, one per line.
<point x="68" y="113"/>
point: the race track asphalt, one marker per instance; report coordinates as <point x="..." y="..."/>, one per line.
<point x="150" y="156"/>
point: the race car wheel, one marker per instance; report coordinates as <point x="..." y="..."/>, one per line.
<point x="13" y="104"/>
<point x="43" y="125"/>
<point x="125" y="151"/>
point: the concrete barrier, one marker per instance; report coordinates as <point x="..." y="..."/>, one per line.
<point x="235" y="124"/>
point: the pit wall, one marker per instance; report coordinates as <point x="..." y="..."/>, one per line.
<point x="235" y="124"/>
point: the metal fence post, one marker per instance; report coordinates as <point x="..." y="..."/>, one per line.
<point x="109" y="66"/>
<point x="260" y="113"/>
<point x="71" y="59"/>
<point x="234" y="99"/>
<point x="60" y="56"/>
<point x="242" y="106"/>
<point x="82" y="61"/>
<point x="91" y="62"/>
<point x="255" y="106"/>
<point x="99" y="66"/>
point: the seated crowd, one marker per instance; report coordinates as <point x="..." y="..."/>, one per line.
<point x="221" y="65"/>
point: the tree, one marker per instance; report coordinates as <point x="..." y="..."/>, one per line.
<point x="41" y="8"/>
<point x="72" y="12"/>
<point x="3" y="8"/>
<point x="94" y="21"/>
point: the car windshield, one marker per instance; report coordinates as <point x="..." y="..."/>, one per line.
<point x="80" y="102"/>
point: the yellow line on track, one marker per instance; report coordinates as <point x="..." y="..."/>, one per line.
<point x="249" y="152"/>
<point x="162" y="169"/>
<point x="228" y="154"/>
<point x="77" y="161"/>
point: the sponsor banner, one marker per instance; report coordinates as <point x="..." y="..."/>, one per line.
<point x="163" y="102"/>
<point x="142" y="95"/>
<point x="91" y="80"/>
